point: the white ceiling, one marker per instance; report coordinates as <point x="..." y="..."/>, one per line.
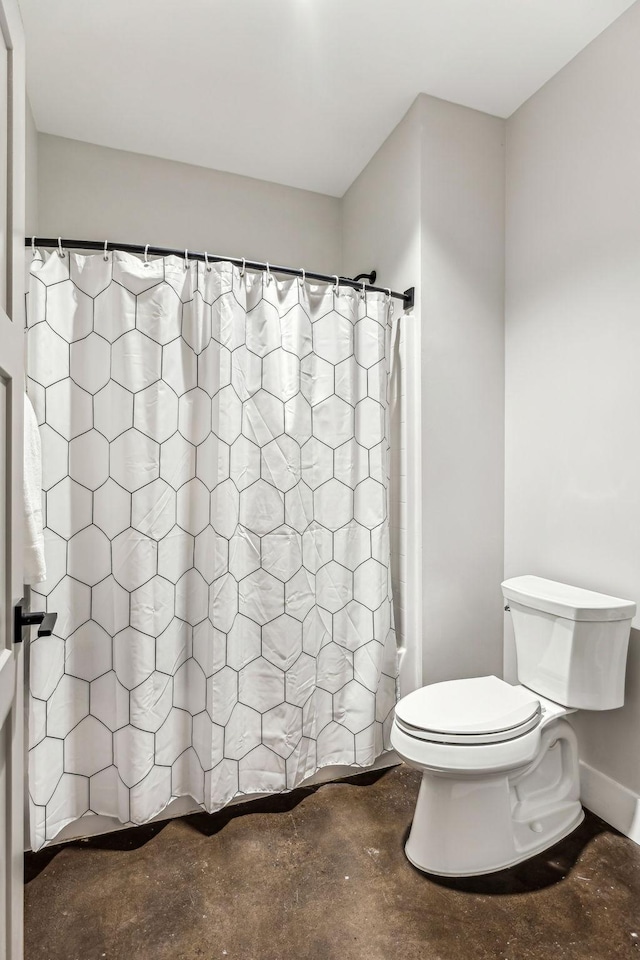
<point x="300" y="92"/>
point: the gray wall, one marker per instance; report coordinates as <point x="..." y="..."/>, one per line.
<point x="573" y="349"/>
<point x="442" y="228"/>
<point x="31" y="178"/>
<point x="381" y="208"/>
<point x="89" y="192"/>
<point x="381" y="227"/>
<point x="462" y="280"/>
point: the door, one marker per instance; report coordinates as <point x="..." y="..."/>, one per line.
<point x="12" y="175"/>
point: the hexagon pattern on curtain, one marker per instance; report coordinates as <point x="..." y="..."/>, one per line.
<point x="215" y="459"/>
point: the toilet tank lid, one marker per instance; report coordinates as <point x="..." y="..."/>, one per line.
<point x="562" y="600"/>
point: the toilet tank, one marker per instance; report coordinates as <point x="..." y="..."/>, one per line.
<point x="571" y="643"/>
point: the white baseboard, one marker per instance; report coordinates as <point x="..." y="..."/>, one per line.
<point x="611" y="801"/>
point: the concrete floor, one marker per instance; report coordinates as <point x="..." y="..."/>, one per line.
<point x="320" y="874"/>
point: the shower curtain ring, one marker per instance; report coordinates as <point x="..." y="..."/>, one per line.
<point x="363" y="292"/>
<point x="390" y="304"/>
<point x="244" y="266"/>
<point x="303" y="278"/>
<point x="268" y="275"/>
<point x="146" y="255"/>
<point x="206" y="261"/>
<point x="61" y="252"/>
<point x="186" y="259"/>
<point x="335" y="290"/>
<point x="33" y="246"/>
<point x="105" y="256"/>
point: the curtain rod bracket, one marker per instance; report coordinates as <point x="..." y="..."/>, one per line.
<point x="369" y="277"/>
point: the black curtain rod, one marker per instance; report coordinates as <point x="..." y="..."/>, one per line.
<point x="408" y="297"/>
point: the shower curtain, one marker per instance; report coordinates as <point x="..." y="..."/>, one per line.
<point x="215" y="458"/>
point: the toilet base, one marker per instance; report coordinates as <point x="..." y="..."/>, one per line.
<point x="471" y="825"/>
<point x="505" y="866"/>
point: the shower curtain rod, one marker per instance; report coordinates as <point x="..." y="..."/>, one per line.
<point x="408" y="297"/>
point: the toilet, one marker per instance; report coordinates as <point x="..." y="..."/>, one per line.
<point x="500" y="776"/>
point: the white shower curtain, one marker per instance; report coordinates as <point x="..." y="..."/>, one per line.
<point x="215" y="457"/>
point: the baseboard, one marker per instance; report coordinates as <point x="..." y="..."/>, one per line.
<point x="611" y="801"/>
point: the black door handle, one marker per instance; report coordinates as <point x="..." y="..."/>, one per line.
<point x="46" y="621"/>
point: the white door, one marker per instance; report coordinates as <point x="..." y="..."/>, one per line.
<point x="12" y="160"/>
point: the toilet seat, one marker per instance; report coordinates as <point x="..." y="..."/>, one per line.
<point x="475" y="711"/>
<point x="452" y="756"/>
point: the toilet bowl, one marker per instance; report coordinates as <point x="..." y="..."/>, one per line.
<point x="499" y="761"/>
<point x="492" y="797"/>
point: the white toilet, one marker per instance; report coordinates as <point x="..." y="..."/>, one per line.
<point x="500" y="762"/>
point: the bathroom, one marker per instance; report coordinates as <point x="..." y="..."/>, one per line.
<point x="484" y="159"/>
